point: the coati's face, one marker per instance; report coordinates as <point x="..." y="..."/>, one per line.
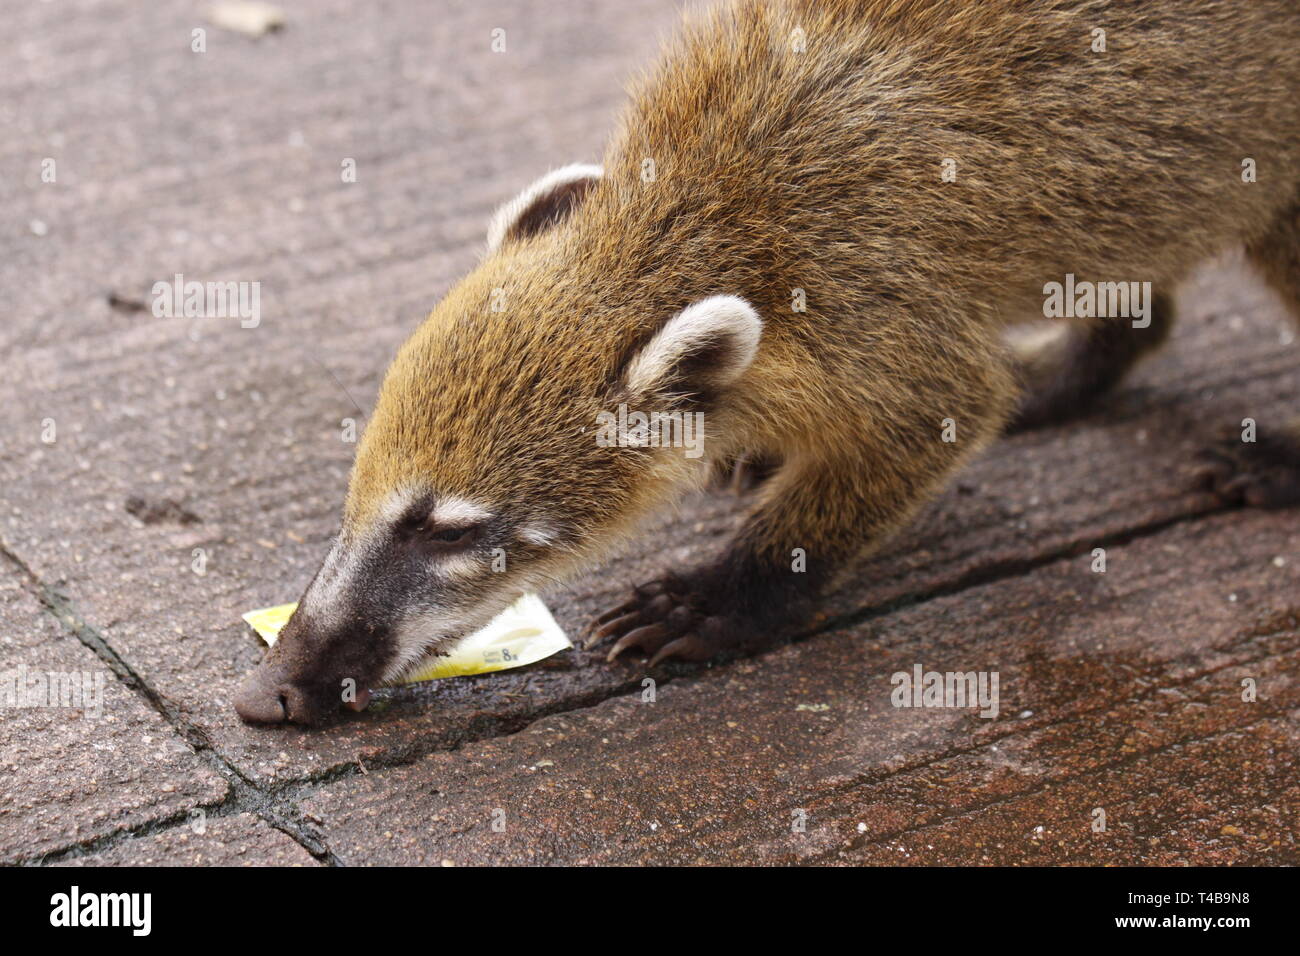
<point x="493" y="464"/>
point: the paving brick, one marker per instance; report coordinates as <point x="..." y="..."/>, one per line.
<point x="243" y="840"/>
<point x="76" y="773"/>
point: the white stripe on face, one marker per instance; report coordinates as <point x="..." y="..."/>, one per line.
<point x="457" y="567"/>
<point x="448" y="510"/>
<point x="424" y="628"/>
<point x="417" y="634"/>
<point x="453" y="512"/>
<point x="540" y="533"/>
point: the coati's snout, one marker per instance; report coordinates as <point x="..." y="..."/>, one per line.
<point x="278" y="692"/>
<point x="330" y="653"/>
<point x="312" y="671"/>
<point x="389" y="596"/>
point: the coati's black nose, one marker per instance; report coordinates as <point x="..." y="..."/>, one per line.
<point x="266" y="698"/>
<point x="259" y="701"/>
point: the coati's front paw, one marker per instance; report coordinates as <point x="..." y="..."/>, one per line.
<point x="1264" y="473"/>
<point x="669" y="618"/>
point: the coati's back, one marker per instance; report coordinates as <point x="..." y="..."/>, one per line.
<point x="803" y="144"/>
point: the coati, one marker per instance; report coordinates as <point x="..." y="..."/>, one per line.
<point x="812" y="226"/>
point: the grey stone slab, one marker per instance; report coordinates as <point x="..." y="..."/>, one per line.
<point x="81" y="755"/>
<point x="243" y="840"/>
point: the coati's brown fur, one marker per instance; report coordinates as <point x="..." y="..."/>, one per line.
<point x="801" y="145"/>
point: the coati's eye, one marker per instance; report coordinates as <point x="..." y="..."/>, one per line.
<point x="454" y="537"/>
<point x="418" y="528"/>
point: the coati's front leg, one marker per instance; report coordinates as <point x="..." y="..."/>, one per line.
<point x="761" y="588"/>
<point x="815" y="518"/>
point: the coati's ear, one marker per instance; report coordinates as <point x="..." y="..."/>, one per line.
<point x="699" y="351"/>
<point x="542" y="204"/>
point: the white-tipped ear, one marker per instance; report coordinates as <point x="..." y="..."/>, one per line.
<point x="705" y="347"/>
<point x="542" y="204"/>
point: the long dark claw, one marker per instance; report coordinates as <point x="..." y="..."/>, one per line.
<point x="650" y="635"/>
<point x="640" y="614"/>
<point x="625" y="608"/>
<point x="664" y="621"/>
<point x="688" y="648"/>
<point x="620" y="625"/>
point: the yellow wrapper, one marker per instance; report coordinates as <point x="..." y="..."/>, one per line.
<point x="523" y="633"/>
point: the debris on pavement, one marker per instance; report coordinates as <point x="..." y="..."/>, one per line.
<point x="247" y="17"/>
